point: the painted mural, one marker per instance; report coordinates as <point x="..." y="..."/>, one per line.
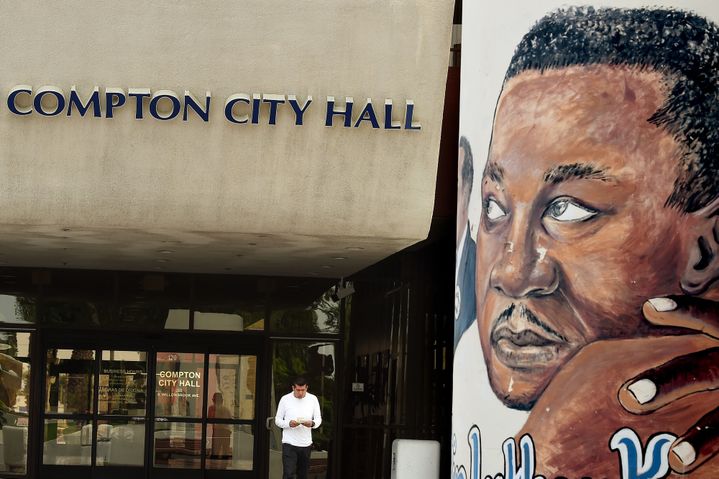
<point x="586" y="293"/>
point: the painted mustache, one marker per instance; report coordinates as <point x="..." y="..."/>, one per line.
<point x="537" y="332"/>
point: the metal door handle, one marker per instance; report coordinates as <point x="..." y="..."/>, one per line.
<point x="268" y="422"/>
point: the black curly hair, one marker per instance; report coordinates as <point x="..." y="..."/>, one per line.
<point x="681" y="45"/>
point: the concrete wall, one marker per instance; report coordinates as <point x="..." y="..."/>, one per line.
<point x="110" y="183"/>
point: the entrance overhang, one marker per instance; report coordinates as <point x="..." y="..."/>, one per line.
<point x="112" y="157"/>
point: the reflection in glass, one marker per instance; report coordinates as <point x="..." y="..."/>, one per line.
<point x="69" y="380"/>
<point x="223" y="321"/>
<point x="178" y="384"/>
<point x="75" y="313"/>
<point x="15" y="371"/>
<point x="17" y="309"/>
<point x="177" y="445"/>
<point x="178" y="319"/>
<point x="232" y="381"/>
<point x="153" y="301"/>
<point x="120" y="442"/>
<point x="219" y="321"/>
<point x="67" y="442"/>
<point x="230" y="303"/>
<point x="15" y="394"/>
<point x="123" y="383"/>
<point x="229" y="446"/>
<point x="320" y="316"/>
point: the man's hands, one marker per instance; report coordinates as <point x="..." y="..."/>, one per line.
<point x="578" y="413"/>
<point x="306" y="423"/>
<point x="682" y="376"/>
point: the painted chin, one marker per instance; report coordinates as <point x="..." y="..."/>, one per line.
<point x="520" y="388"/>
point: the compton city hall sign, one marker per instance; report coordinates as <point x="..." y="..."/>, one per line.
<point x="239" y="108"/>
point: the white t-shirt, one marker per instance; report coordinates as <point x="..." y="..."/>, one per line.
<point x="291" y="408"/>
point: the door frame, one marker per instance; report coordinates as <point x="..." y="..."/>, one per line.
<point x="336" y="445"/>
<point x="250" y="343"/>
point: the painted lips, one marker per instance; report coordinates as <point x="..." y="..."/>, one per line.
<point x="520" y="340"/>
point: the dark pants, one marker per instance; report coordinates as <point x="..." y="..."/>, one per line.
<point x="295" y="461"/>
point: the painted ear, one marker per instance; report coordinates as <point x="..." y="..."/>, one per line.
<point x="702" y="268"/>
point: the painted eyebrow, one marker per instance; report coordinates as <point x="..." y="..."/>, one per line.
<point x="576" y="171"/>
<point x="495" y="172"/>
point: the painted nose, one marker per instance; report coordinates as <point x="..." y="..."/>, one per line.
<point x="524" y="270"/>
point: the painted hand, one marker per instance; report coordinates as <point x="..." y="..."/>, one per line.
<point x="682" y="376"/>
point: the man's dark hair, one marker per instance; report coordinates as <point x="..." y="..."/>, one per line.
<point x="299" y="381"/>
<point x="467" y="167"/>
<point x="682" y="46"/>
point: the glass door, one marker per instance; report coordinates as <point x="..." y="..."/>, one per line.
<point x="315" y="361"/>
<point x="204" y="415"/>
<point x="104" y="417"/>
<point x="95" y="413"/>
<point x="179" y="403"/>
<point x="121" y="412"/>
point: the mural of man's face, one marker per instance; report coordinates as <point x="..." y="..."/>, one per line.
<point x="574" y="235"/>
<point x="462" y="196"/>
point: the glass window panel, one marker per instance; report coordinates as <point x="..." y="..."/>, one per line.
<point x="227" y="303"/>
<point x="230" y="446"/>
<point x="309" y="310"/>
<point x="75" y="298"/>
<point x="15" y="373"/>
<point x="69" y="380"/>
<point x="153" y="301"/>
<point x="123" y="383"/>
<point x="120" y="442"/>
<point x="177" y="445"/>
<point x="67" y="442"/>
<point x="75" y="313"/>
<point x="231" y="386"/>
<point x="20" y="280"/>
<point x="14" y="448"/>
<point x="17" y="309"/>
<point x="179" y="384"/>
<point x="216" y="321"/>
<point x="15" y="394"/>
<point x="178" y="319"/>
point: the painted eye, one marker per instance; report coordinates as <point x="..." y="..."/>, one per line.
<point x="568" y="211"/>
<point x="493" y="211"/>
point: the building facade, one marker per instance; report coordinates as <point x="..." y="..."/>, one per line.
<point x="205" y="200"/>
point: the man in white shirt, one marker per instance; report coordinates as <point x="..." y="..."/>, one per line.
<point x="297" y="414"/>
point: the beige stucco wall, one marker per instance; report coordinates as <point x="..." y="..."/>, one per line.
<point x="112" y="184"/>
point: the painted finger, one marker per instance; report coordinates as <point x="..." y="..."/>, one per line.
<point x="682" y="376"/>
<point x="684" y="312"/>
<point x="697" y="445"/>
